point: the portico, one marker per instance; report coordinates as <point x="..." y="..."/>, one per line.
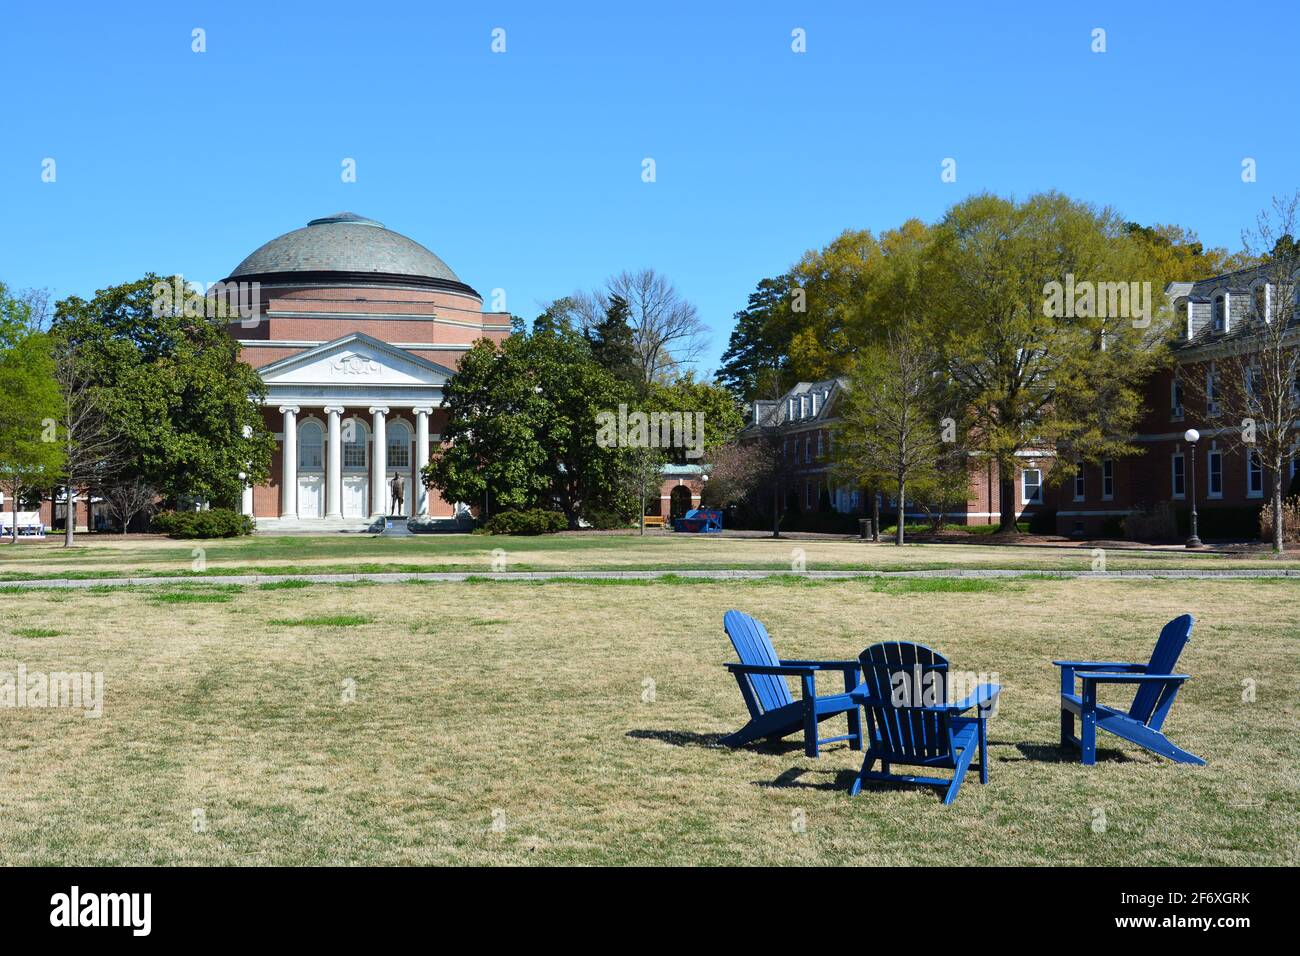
<point x="348" y="416"/>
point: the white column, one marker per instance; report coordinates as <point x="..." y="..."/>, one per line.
<point x="289" y="466"/>
<point x="378" y="461"/>
<point x="334" y="465"/>
<point x="421" y="459"/>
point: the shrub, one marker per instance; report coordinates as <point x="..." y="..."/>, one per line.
<point x="213" y="523"/>
<point x="529" y="521"/>
<point x="1290" y="521"/>
<point x="1158" y="524"/>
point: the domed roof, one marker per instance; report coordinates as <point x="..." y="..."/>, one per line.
<point x="347" y="243"/>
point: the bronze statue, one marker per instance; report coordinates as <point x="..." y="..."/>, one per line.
<point x="398" y="488"/>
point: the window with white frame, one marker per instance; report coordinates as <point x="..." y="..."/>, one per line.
<point x="1214" y="473"/>
<point x="1031" y="486"/>
<point x="399" y="446"/>
<point x="1220" y="312"/>
<point x="1182" y="315"/>
<point x="1107" y="479"/>
<point x="354" y="445"/>
<point x="1254" y="474"/>
<point x="1212" y="390"/>
<point x="807" y="448"/>
<point x="1179" y="475"/>
<point x="1253" y="383"/>
<point x="1260" y="297"/>
<point x="809" y="495"/>
<point x="821" y="446"/>
<point x="1078" y="482"/>
<point x="310" y="444"/>
<point x="1176" y="398"/>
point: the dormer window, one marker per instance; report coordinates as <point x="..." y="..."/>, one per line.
<point x="803" y="406"/>
<point x="815" y="396"/>
<point x="789" y="412"/>
<point x="1183" y="316"/>
<point x="1220" y="312"/>
<point x="1261" y="297"/>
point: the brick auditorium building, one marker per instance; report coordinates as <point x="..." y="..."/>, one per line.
<point x="356" y="329"/>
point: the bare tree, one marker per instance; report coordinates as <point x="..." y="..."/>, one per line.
<point x="92" y="445"/>
<point x="128" y="497"/>
<point x="667" y="331"/>
<point x="892" y="427"/>
<point x="1248" y="381"/>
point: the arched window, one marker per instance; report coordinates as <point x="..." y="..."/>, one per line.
<point x="1220" y="312"/>
<point x="399" y="445"/>
<point x="311" y="441"/>
<point x="354" y="435"/>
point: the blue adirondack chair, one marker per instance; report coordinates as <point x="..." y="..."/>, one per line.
<point x="773" y="712"/>
<point x="909" y="720"/>
<point x="1157" y="684"/>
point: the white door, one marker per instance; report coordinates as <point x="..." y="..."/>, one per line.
<point x="311" y="496"/>
<point x="356" y="496"/>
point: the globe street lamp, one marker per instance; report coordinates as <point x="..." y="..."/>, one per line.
<point x="1193" y="436"/>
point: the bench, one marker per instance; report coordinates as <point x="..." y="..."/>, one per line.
<point x="653" y="521"/>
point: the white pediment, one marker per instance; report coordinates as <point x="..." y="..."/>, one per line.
<point x="355" y="360"/>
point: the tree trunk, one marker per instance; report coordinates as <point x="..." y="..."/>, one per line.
<point x="70" y="515"/>
<point x="902" y="511"/>
<point x="1006" y="505"/>
<point x="643" y="509"/>
<point x="776" y="510"/>
<point x="1278" y="547"/>
<point x="15" y="517"/>
<point x="875" y="515"/>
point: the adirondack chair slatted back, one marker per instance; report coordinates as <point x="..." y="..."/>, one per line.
<point x="753" y="646"/>
<point x="1173" y="638"/>
<point x="902" y="729"/>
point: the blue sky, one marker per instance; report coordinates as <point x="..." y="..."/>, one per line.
<point x="523" y="169"/>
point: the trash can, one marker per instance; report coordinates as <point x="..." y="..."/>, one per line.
<point x="865" y="531"/>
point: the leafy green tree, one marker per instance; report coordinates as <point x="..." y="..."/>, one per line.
<point x="187" y="408"/>
<point x="30" y="451"/>
<point x="756" y="362"/>
<point x="1032" y="375"/>
<point x="523" y="427"/>
<point x="613" y="345"/>
<point x="715" y="406"/>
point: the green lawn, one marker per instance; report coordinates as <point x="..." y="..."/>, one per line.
<point x="475" y="553"/>
<point x="577" y="723"/>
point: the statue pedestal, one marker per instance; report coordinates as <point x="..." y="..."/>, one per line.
<point x="395" y="525"/>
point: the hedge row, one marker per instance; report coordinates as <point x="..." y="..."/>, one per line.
<point x="530" y="521"/>
<point x="213" y="523"/>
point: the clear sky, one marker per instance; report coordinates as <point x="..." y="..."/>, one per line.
<point x="523" y="170"/>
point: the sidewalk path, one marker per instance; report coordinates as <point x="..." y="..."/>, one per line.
<point x="455" y="576"/>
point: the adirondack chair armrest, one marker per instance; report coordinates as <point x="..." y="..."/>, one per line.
<point x="1100" y="665"/>
<point x="854" y="666"/>
<point x="782" y="670"/>
<point x="1102" y="677"/>
<point x="984" y="697"/>
<point x="1070" y="668"/>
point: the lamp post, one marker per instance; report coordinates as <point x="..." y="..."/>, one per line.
<point x="1193" y="436"/>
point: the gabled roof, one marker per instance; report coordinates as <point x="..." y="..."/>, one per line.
<point x="352" y="350"/>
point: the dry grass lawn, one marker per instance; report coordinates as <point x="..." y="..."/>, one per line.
<point x="96" y="556"/>
<point x="514" y="723"/>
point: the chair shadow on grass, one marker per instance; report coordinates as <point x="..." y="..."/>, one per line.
<point x="1055" y="753"/>
<point x="687" y="738"/>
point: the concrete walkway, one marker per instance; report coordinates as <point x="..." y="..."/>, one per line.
<point x="456" y="576"/>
